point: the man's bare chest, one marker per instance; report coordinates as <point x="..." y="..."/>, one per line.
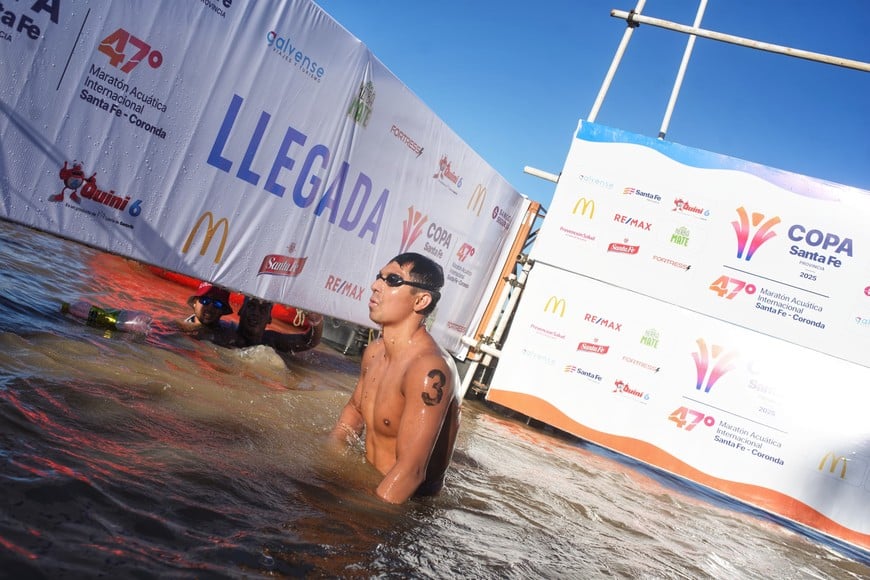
<point x="384" y="401"/>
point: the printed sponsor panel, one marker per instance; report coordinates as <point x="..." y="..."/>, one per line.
<point x="283" y="164"/>
<point x="776" y="252"/>
<point x="722" y="405"/>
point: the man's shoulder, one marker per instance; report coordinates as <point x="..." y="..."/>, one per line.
<point x="374" y="347"/>
<point x="431" y="361"/>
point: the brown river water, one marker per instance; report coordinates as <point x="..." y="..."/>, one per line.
<point x="124" y="456"/>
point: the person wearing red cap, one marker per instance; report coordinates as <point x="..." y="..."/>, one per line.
<point x="209" y="303"/>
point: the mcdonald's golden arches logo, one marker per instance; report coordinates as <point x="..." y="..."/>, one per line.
<point x="478" y="197"/>
<point x="555" y="305"/>
<point x="585" y="205"/>
<point x="210" y="231"/>
<point x="835" y="459"/>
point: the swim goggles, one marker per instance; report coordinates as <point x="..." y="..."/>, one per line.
<point x="206" y="300"/>
<point x="394" y="280"/>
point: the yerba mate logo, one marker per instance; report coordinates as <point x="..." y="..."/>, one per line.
<point x="763" y="231"/>
<point x="711" y="363"/>
<point x="650" y="338"/>
<point x="412" y="228"/>
<point x="680" y="236"/>
<point x="362" y="105"/>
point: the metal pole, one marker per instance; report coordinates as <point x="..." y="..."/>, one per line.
<point x="678" y="83"/>
<point x="497" y="333"/>
<point x="637" y="19"/>
<point x="614" y="64"/>
<point x="476" y="343"/>
<point x="541" y="173"/>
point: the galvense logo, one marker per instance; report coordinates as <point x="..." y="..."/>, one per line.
<point x="294" y="55"/>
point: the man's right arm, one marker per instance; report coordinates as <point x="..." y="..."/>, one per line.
<point x="350" y="421"/>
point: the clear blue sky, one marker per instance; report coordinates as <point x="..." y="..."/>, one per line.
<point x="512" y="78"/>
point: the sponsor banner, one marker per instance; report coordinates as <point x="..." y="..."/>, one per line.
<point x="284" y="162"/>
<point x="776" y="252"/>
<point x="766" y="421"/>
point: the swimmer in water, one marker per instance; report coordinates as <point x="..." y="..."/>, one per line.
<point x="209" y="304"/>
<point x="406" y="398"/>
<point x="254" y="316"/>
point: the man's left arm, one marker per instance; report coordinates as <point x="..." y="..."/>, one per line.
<point x="429" y="390"/>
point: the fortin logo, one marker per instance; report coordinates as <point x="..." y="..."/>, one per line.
<point x="745" y="225"/>
<point x="412" y="228"/>
<point x="721" y="362"/>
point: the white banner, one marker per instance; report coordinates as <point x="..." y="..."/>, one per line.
<point x="777" y="252"/>
<point x="633" y="332"/>
<point x="257" y="145"/>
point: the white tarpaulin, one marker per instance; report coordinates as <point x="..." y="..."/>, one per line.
<point x="257" y="145"/>
<point x="708" y="316"/>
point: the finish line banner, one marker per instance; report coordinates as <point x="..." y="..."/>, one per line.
<point x="708" y="316"/>
<point x="257" y="145"/>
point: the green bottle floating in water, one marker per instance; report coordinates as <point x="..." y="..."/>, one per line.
<point x="115" y="319"/>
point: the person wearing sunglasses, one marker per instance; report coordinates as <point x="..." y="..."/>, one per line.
<point x="209" y="304"/>
<point x="254" y="315"/>
<point x="405" y="400"/>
